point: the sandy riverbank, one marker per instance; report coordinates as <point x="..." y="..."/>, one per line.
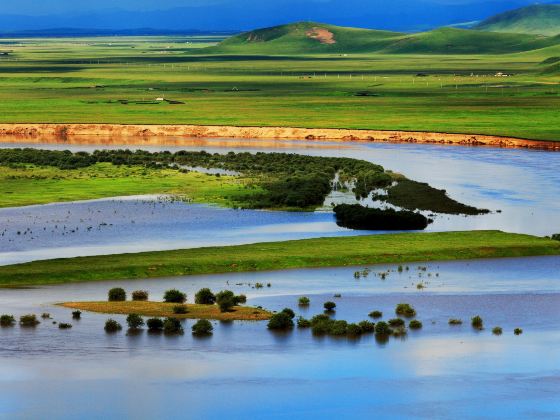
<point x="142" y="133"/>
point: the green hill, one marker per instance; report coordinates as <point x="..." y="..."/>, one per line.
<point x="538" y="19"/>
<point x="318" y="38"/>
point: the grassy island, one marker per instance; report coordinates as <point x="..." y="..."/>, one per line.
<point x="321" y="252"/>
<point x="162" y="310"/>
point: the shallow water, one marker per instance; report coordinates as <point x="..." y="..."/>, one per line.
<point x="245" y="371"/>
<point x="523" y="184"/>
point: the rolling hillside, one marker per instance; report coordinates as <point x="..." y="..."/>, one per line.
<point x="537" y="19"/>
<point x="317" y="38"/>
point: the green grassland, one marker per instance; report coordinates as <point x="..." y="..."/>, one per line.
<point x="83" y="79"/>
<point x="322" y="252"/>
<point x="543" y="19"/>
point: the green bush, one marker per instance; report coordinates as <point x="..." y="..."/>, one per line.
<point x="304" y="301"/>
<point x="406" y="310"/>
<point x="7" y="321"/>
<point x="382" y="328"/>
<point x="289" y="312"/>
<point x="240" y="300"/>
<point x="399" y="331"/>
<point x="140" y="295"/>
<point x="154" y="324"/>
<point x="172" y="326"/>
<point x="454" y="321"/>
<point x="319" y="318"/>
<point x="556" y="237"/>
<point x="205" y="297"/>
<point x="329" y="306"/>
<point x="303" y="323"/>
<point x="174" y="296"/>
<point x="280" y="321"/>
<point x="112" y="326"/>
<point x="497" y="330"/>
<point x="518" y="331"/>
<point x="46" y="315"/>
<point x="117" y="294"/>
<point x="376" y="314"/>
<point x="367" y="326"/>
<point x="477" y="322"/>
<point x="202" y="327"/>
<point x="77" y="314"/>
<point x="180" y="309"/>
<point x="354" y="330"/>
<point x="396" y="322"/>
<point x="64" y="326"/>
<point x="321" y="327"/>
<point x="134" y="321"/>
<point x="338" y="327"/>
<point x="29" y="320"/>
<point x="226" y="300"/>
<point x="415" y="324"/>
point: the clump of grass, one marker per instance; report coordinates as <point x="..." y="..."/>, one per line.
<point x="477" y="322"/>
<point x="180" y="309"/>
<point x="367" y="326"/>
<point x="329" y="306"/>
<point x="320" y="324"/>
<point x="116" y="294"/>
<point x="338" y="327"/>
<point x="376" y="314"/>
<point x="420" y="286"/>
<point x="154" y="324"/>
<point x="7" y="320"/>
<point x="497" y="330"/>
<point x="337" y="296"/>
<point x="303" y="323"/>
<point x="202" y="327"/>
<point x="205" y="297"/>
<point x="396" y="322"/>
<point x="64" y="326"/>
<point x="289" y="312"/>
<point x="172" y="326"/>
<point x="304" y="301"/>
<point x="383" y="329"/>
<point x="112" y="326"/>
<point x="455" y="321"/>
<point x="518" y="331"/>
<point x="46" y="315"/>
<point x="29" y="320"/>
<point x="354" y="330"/>
<point x="140" y="295"/>
<point x="134" y="321"/>
<point x="77" y="314"/>
<point x="174" y="296"/>
<point x="406" y="310"/>
<point x="399" y="331"/>
<point x="280" y="321"/>
<point x="415" y="324"/>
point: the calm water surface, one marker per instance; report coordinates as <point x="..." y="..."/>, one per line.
<point x="245" y="371"/>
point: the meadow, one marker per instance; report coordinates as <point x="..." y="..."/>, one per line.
<point x="117" y="80"/>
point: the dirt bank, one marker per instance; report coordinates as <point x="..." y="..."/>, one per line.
<point x="139" y="134"/>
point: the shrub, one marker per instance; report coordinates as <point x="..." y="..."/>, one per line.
<point x="205" y="297"/>
<point x="112" y="326"/>
<point x="367" y="326"/>
<point x="556" y="237"/>
<point x="174" y="296"/>
<point x="154" y="324"/>
<point x="415" y="324"/>
<point x="202" y="327"/>
<point x="338" y="327"/>
<point x="28" y="320"/>
<point x="454" y="321"/>
<point x="172" y="326"/>
<point x="477" y="322"/>
<point x="320" y="318"/>
<point x="7" y="320"/>
<point x="396" y="322"/>
<point x="289" y="312"/>
<point x="322" y="327"/>
<point x="64" y="326"/>
<point x="382" y="328"/>
<point x="304" y="301"/>
<point x="376" y="314"/>
<point x="180" y="309"/>
<point x="354" y="329"/>
<point x="117" y="294"/>
<point x="134" y="321"/>
<point x="356" y="216"/>
<point x="497" y="330"/>
<point x="77" y="314"/>
<point x="226" y="300"/>
<point x="518" y="331"/>
<point x="280" y="321"/>
<point x="303" y="323"/>
<point x="406" y="310"/>
<point x="329" y="306"/>
<point x="140" y="295"/>
<point x="46" y="315"/>
<point x="240" y="300"/>
<point x="399" y="331"/>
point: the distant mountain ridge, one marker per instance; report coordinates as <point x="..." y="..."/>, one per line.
<point x="540" y="19"/>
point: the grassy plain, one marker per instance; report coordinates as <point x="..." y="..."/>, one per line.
<point x="83" y="79"/>
<point x="321" y="252"/>
<point x="162" y="310"/>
